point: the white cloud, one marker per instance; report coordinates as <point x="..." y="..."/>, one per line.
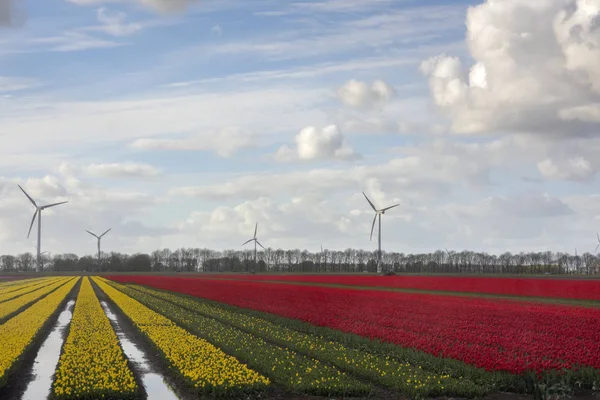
<point x="318" y="144"/>
<point x="217" y="30"/>
<point x="115" y="23"/>
<point x="422" y="174"/>
<point x="36" y="123"/>
<point x="305" y="72"/>
<point x="161" y="6"/>
<point x="339" y="5"/>
<point x="575" y="168"/>
<point x="360" y="95"/>
<point x="13" y="84"/>
<point x="524" y="74"/>
<point x="122" y="170"/>
<point x="72" y="41"/>
<point x="225" y="142"/>
<point x="389" y="29"/>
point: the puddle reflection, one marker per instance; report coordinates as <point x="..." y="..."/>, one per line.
<point x="47" y="358"/>
<point x="153" y="382"/>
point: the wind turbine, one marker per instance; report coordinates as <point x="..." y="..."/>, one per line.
<point x="98" y="237"/>
<point x="38" y="213"/>
<point x="598" y="236"/>
<point x="255" y="242"/>
<point x="378" y="213"/>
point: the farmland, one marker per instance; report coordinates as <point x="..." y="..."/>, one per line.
<point x="260" y="336"/>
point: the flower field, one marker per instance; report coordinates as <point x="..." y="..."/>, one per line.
<point x="525" y="287"/>
<point x="92" y="364"/>
<point x="242" y="338"/>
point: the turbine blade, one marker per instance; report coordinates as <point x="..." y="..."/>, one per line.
<point x="93" y="234"/>
<point x="387" y="208"/>
<point x="32" y="221"/>
<point x="53" y="204"/>
<point x="28" y="196"/>
<point x="598" y="236"/>
<point x="247" y="241"/>
<point x="595" y="251"/>
<point x="255" y="229"/>
<point x="261" y="245"/>
<point x="105" y="232"/>
<point x="373" y="227"/>
<point x="372" y="206"/>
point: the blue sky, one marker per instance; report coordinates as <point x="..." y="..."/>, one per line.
<point x="198" y="120"/>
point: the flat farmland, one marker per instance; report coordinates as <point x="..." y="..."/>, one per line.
<point x="582" y="289"/>
<point x="170" y="337"/>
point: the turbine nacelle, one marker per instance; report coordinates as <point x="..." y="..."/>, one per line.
<point x="378" y="212"/>
<point x="254" y="239"/>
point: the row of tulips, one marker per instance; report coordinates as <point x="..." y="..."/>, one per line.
<point x="25" y="289"/>
<point x="5" y="287"/>
<point x="205" y="368"/>
<point x="10" y="307"/>
<point x="19" y="332"/>
<point x="294" y="371"/>
<point x="92" y="364"/>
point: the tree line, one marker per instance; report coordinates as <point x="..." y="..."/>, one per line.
<point x="302" y="261"/>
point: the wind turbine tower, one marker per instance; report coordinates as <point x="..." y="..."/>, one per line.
<point x="38" y="213"/>
<point x="255" y="243"/>
<point x="378" y="213"/>
<point x="99" y="238"/>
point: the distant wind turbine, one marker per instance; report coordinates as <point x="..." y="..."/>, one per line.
<point x="38" y="213"/>
<point x="255" y="243"/>
<point x="99" y="238"/>
<point x="378" y="213"/>
<point x="598" y="236"/>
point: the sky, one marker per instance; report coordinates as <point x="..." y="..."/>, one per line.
<point x="182" y="123"/>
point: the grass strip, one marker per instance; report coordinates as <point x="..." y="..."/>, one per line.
<point x="385" y="370"/>
<point x="205" y="368"/>
<point x="294" y="371"/>
<point x="92" y="363"/>
<point x="10" y="307"/>
<point x="18" y="333"/>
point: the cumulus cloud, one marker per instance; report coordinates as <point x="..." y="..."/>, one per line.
<point x="358" y="94"/>
<point x="318" y="144"/>
<point x="114" y="23"/>
<point x="121" y="170"/>
<point x="225" y="142"/>
<point x="527" y="77"/>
